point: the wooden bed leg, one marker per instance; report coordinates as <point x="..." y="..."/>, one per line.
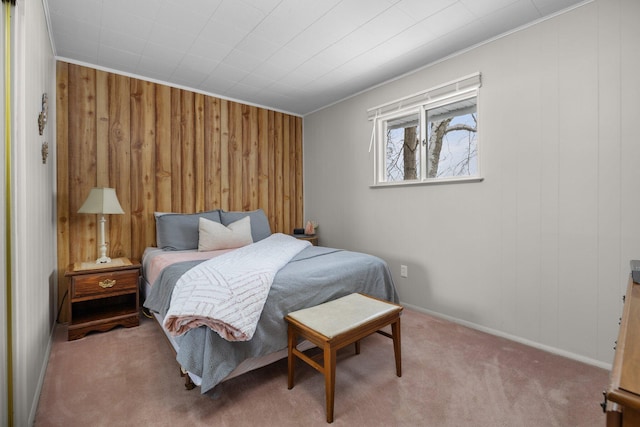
<point x="291" y="344"/>
<point x="188" y="384"/>
<point x="146" y="313"/>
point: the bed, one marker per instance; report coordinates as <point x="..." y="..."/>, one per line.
<point x="312" y="276"/>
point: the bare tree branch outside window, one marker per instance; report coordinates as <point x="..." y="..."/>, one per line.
<point x="452" y="149"/>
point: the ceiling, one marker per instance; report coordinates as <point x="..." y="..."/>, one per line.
<point x="295" y="56"/>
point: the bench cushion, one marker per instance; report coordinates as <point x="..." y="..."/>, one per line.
<point x="343" y="314"/>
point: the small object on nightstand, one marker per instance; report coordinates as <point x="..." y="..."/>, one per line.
<point x="309" y="229"/>
<point x="103" y="296"/>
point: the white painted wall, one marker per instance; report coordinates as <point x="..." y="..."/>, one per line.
<point x="33" y="210"/>
<point x="539" y="251"/>
<point x="4" y="418"/>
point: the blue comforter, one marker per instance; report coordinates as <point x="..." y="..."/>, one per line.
<point x="315" y="275"/>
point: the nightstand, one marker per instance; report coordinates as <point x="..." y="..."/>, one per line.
<point x="102" y="296"/>
<point x="310" y="238"/>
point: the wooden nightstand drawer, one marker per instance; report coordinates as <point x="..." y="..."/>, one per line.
<point x="94" y="285"/>
<point x="103" y="297"/>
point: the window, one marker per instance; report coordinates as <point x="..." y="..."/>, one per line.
<point x="431" y="136"/>
<point x="402" y="147"/>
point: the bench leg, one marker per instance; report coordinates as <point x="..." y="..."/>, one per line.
<point x="291" y="341"/>
<point x="395" y="332"/>
<point x="329" y="379"/>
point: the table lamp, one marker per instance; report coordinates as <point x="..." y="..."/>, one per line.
<point x="102" y="201"/>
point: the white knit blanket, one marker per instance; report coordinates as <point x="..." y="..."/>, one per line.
<point x="227" y="293"/>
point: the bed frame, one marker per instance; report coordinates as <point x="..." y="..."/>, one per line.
<point x="192" y="380"/>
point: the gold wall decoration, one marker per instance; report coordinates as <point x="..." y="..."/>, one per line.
<point x="42" y="117"/>
<point x="45" y="152"/>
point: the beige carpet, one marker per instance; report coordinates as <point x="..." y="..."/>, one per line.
<point x="452" y="376"/>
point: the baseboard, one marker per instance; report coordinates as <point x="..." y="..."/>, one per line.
<point x="534" y="344"/>
<point x="43" y="371"/>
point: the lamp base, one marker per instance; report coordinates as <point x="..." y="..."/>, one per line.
<point x="104" y="259"/>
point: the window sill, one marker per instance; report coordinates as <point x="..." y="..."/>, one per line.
<point x="428" y="182"/>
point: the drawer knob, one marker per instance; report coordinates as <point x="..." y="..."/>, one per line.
<point x="107" y="283"/>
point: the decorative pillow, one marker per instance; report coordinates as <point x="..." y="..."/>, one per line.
<point x="215" y="236"/>
<point x="178" y="232"/>
<point x="260" y="227"/>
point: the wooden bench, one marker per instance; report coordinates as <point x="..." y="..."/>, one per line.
<point x="336" y="324"/>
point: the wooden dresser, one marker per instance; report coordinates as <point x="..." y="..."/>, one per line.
<point x="622" y="402"/>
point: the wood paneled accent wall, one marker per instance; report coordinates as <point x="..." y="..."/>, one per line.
<point x="169" y="150"/>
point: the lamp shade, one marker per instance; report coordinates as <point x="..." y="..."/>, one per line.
<point x="101" y="201"/>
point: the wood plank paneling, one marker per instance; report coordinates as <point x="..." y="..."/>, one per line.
<point x="187" y="124"/>
<point x="164" y="177"/>
<point x="235" y="156"/>
<point x="102" y="129"/>
<point x="142" y="164"/>
<point x="299" y="219"/>
<point x="213" y="187"/>
<point x="176" y="151"/>
<point x="225" y="174"/>
<point x="263" y="157"/>
<point x="165" y="149"/>
<point x="82" y="160"/>
<point x="119" y="151"/>
<point x="279" y="165"/>
<point x="286" y="176"/>
<point x="199" y="174"/>
<point x="63" y="176"/>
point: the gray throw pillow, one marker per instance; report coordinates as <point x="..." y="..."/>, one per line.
<point x="178" y="232"/>
<point x="260" y="227"/>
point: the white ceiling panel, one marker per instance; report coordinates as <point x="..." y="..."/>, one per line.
<point x="295" y="56"/>
<point x="289" y="59"/>
<point x="420" y="9"/>
<point x="313" y="69"/>
<point x="228" y="73"/>
<point x="259" y="47"/>
<point x="222" y="32"/>
<point x="131" y="25"/>
<point x="273" y="71"/>
<point x="449" y="19"/>
<point x="257" y="81"/>
<point x="147" y="9"/>
<point x="89" y="11"/>
<point x="239" y="14"/>
<point x="126" y="42"/>
<point x="193" y="71"/>
<point x="388" y="24"/>
<point x="189" y="20"/>
<point x="166" y="36"/>
<point x="486" y="7"/>
<point x="210" y="49"/>
<point x="121" y="58"/>
<point x="74" y="28"/>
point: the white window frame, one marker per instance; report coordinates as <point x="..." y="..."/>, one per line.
<point x="463" y="88"/>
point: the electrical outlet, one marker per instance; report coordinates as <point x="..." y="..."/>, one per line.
<point x="404" y="271"/>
